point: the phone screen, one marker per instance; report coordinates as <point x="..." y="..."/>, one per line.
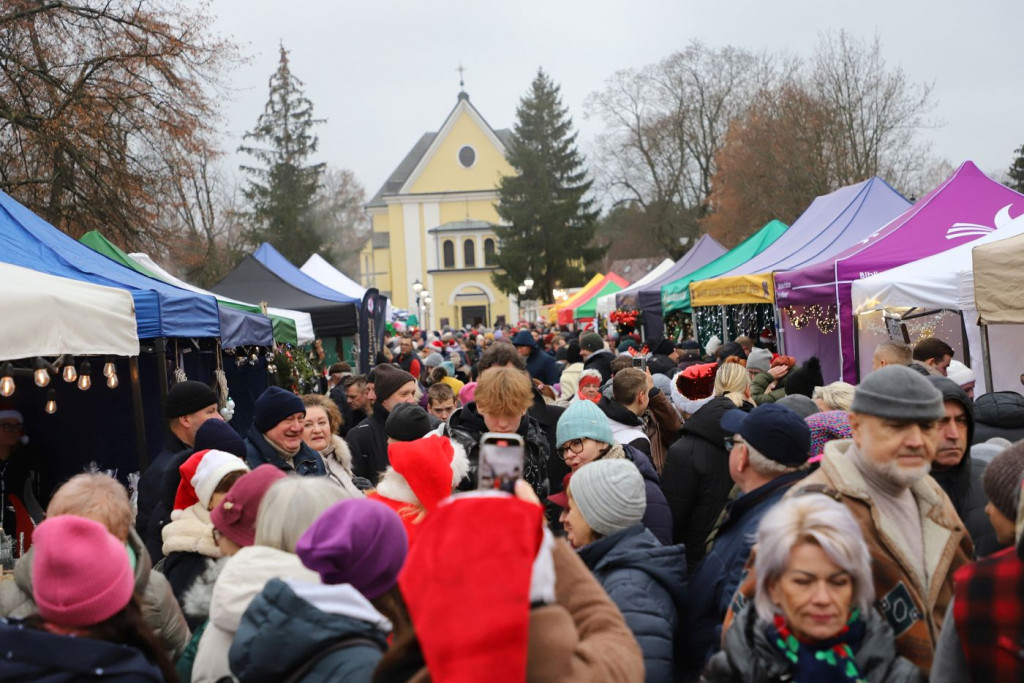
<point x="501" y="463"/>
<point x="640" y="363"/>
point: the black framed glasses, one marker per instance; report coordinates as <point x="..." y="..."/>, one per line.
<point x="10" y="426"/>
<point x="575" y="446"/>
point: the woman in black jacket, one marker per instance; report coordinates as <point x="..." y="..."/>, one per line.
<point x="696" y="477"/>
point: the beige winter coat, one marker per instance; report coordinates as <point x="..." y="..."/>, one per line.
<point x="338" y="461"/>
<point x="241" y="580"/>
<point x="159" y="608"/>
<point x="190" y="531"/>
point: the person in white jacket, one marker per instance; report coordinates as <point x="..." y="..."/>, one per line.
<point x="289" y="507"/>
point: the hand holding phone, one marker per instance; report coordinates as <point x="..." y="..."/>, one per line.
<point x="501" y="461"/>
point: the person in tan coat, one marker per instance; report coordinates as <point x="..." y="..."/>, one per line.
<point x="103" y="499"/>
<point x="913" y="533"/>
<point x="525" y="607"/>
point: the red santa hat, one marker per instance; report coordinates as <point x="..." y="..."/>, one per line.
<point x="430" y="467"/>
<point x="467" y="586"/>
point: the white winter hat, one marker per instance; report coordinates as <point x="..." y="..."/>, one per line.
<point x="713" y="345"/>
<point x="214" y="466"/>
<point x="960" y="373"/>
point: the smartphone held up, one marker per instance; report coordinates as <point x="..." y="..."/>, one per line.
<point x="501" y="461"/>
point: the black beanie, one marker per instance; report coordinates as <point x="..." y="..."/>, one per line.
<point x="188" y="397"/>
<point x="407" y="422"/>
<point x="665" y="347"/>
<point x="274" y="405"/>
<point x="220" y="436"/>
<point x="803" y="379"/>
<point x="387" y="379"/>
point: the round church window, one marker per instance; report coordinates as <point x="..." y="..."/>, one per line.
<point x="467" y="156"/>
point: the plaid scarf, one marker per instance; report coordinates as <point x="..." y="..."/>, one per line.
<point x="822" y="660"/>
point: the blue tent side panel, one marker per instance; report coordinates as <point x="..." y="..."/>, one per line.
<point x="241" y="328"/>
<point x="161" y="310"/>
<point x="285" y="270"/>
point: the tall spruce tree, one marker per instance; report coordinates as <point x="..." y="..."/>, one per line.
<point x="1015" y="175"/>
<point x="549" y="222"/>
<point x="281" y="189"/>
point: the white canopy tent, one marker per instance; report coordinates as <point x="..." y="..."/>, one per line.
<point x="48" y="315"/>
<point x="323" y="272"/>
<point x="946" y="281"/>
<point x="606" y="304"/>
<point x="303" y="321"/>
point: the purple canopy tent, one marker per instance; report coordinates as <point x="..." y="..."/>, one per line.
<point x="966" y="206"/>
<point x="832" y="223"/>
<point x="648" y="299"/>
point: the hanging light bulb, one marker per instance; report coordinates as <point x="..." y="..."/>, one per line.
<point x="41" y="374"/>
<point x="6" y="380"/>
<point x="109" y="368"/>
<point x="84" y="380"/>
<point x="51" y="401"/>
<point x="69" y="373"/>
<point x="112" y="381"/>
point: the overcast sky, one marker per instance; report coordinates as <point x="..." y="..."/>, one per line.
<point x="382" y="72"/>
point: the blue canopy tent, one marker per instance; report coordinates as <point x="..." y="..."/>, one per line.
<point x="268" y="276"/>
<point x="161" y="310"/>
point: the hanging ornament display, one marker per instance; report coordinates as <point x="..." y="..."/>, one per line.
<point x="824" y="318"/>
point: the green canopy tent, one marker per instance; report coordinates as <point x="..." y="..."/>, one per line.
<point x="675" y="296"/>
<point x="284" y="327"/>
<point x="588" y="309"/>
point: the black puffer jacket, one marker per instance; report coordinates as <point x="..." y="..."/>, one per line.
<point x="1000" y="413"/>
<point x="696" y="477"/>
<point x="657" y="516"/>
<point x="962" y="483"/>
<point x="602" y="362"/>
<point x="748" y="657"/>
<point x="466" y="426"/>
<point x="368" y="444"/>
<point x="647" y="582"/>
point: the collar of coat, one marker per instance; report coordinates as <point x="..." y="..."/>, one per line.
<point x="941" y="528"/>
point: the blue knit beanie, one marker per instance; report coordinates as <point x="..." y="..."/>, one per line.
<point x="583" y="419"/>
<point x="274" y="405"/>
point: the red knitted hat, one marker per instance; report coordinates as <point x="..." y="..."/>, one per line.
<point x="466" y="582"/>
<point x="81" y="575"/>
<point x="426" y="465"/>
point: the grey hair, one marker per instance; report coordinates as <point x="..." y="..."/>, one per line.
<point x="810" y="518"/>
<point x="290" y="506"/>
<point x="98" y="497"/>
<point x="837" y="396"/>
<point x="767" y="467"/>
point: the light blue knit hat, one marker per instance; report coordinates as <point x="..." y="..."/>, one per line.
<point x="583" y="419"/>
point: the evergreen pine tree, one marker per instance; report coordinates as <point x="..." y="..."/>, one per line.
<point x="281" y="189"/>
<point x="549" y="222"/>
<point x="1016" y="172"/>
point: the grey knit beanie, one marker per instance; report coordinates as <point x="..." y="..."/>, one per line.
<point x="610" y="495"/>
<point x="759" y="359"/>
<point x="898" y="393"/>
<point x="1001" y="480"/>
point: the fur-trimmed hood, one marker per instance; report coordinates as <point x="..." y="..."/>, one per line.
<point x="395" y="486"/>
<point x="190" y="531"/>
<point x="195" y="602"/>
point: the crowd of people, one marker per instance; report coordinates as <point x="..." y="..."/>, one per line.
<point x="682" y="514"/>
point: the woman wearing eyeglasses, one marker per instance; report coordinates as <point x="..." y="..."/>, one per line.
<point x="585" y="435"/>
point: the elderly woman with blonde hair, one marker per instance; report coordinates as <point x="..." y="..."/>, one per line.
<point x="812" y="617"/>
<point x="835" y="396"/>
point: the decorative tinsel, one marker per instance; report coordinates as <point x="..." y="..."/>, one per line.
<point x="825" y="318"/>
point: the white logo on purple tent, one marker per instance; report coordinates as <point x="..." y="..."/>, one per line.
<point x="959" y="230"/>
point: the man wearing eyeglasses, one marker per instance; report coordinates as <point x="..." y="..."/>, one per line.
<point x="768" y="453"/>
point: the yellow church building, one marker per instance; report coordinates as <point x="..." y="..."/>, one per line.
<point x="433" y="225"/>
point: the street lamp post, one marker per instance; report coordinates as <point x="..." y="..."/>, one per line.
<point x="523" y="289"/>
<point x="423" y="302"/>
<point x="522" y="293"/>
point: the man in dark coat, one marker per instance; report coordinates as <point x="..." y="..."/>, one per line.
<point x="407" y="359"/>
<point x="956" y="472"/>
<point x="188" y="405"/>
<point x="368" y="440"/>
<point x="665" y="358"/>
<point x="541" y="366"/>
<point x="998" y="413"/>
<point x="275" y="437"/>
<point x="696" y="478"/>
<point x="595" y="355"/>
<point x="771" y="445"/>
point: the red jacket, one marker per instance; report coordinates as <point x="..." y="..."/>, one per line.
<point x="989" y="616"/>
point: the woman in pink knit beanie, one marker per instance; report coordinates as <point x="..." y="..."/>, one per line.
<point x="89" y="624"/>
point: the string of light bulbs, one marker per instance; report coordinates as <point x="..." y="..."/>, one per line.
<point x="64" y="367"/>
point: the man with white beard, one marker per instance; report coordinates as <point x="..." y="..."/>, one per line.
<point x="916" y="539"/>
